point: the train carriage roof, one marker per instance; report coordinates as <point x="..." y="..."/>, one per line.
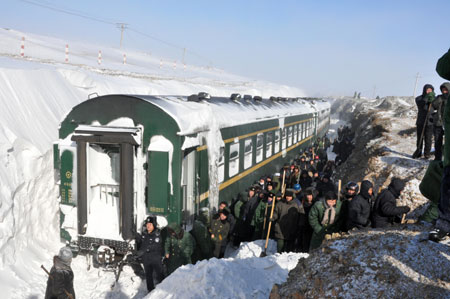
<point x="194" y="116"/>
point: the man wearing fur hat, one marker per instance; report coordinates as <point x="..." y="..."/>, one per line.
<point x="150" y="250"/>
<point x="60" y="280"/>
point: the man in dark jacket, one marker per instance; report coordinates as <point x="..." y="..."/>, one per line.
<point x="438" y="120"/>
<point x="424" y="124"/>
<point x="150" y="250"/>
<point x="442" y="227"/>
<point x="286" y="217"/>
<point x="325" y="185"/>
<point x="305" y="228"/>
<point x="305" y="180"/>
<point x="359" y="208"/>
<point x="203" y="243"/>
<point x="385" y="209"/>
<point x="60" y="280"/>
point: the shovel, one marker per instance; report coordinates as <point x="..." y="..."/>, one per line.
<point x="264" y="253"/>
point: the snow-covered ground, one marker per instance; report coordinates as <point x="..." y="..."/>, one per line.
<point x="36" y="91"/>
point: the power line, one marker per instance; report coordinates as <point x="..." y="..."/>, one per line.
<point x="122" y="27"/>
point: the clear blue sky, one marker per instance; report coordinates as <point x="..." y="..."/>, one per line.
<point x="325" y="47"/>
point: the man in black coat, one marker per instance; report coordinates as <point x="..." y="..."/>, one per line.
<point x="359" y="208"/>
<point x="438" y="120"/>
<point x="60" y="280"/>
<point x="385" y="209"/>
<point x="150" y="250"/>
<point x="424" y="105"/>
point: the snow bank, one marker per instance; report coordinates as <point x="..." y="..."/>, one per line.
<point x="246" y="275"/>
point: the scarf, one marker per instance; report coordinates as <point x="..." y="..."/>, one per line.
<point x="328" y="216"/>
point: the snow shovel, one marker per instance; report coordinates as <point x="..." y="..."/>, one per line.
<point x="418" y="151"/>
<point x="264" y="253"/>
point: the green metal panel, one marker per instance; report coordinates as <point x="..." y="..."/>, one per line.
<point x="66" y="178"/>
<point x="157" y="184"/>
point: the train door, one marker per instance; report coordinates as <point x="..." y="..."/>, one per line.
<point x="105" y="171"/>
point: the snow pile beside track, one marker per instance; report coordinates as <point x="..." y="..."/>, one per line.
<point x="247" y="276"/>
<point x="398" y="262"/>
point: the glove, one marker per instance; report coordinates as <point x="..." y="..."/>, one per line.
<point x="328" y="237"/>
<point x="430" y="97"/>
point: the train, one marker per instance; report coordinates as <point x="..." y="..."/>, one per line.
<point x="121" y="157"/>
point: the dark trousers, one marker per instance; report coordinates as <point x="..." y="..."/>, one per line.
<point x="427" y="137"/>
<point x="443" y="222"/>
<point x="438" y="138"/>
<point x="155" y="267"/>
<point x="285" y="245"/>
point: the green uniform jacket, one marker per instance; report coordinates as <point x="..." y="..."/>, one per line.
<point x="315" y="220"/>
<point x="258" y="218"/>
<point x="179" y="250"/>
<point x="204" y="246"/>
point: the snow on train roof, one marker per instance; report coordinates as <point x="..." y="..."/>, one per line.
<point x="221" y="112"/>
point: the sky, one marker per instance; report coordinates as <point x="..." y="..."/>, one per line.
<point x="324" y="47"/>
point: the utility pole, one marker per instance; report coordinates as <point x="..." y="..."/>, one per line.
<point x="184" y="55"/>
<point x="122" y="27"/>
<point x="374" y="91"/>
<point x="415" y="85"/>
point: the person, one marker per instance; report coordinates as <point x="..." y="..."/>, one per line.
<point x="438" y="120"/>
<point x="60" y="280"/>
<point x="248" y="225"/>
<point x="295" y="177"/>
<point x="442" y="227"/>
<point x="385" y="209"/>
<point x="306" y="231"/>
<point x="230" y="217"/>
<point x="359" y="208"/>
<point x="305" y="180"/>
<point x="203" y="243"/>
<point x="325" y="185"/>
<point x="325" y="218"/>
<point x="150" y="251"/>
<point x="178" y="247"/>
<point x="286" y="218"/>
<point x="220" y="228"/>
<point x="423" y="124"/>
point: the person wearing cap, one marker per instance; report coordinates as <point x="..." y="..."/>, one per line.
<point x="305" y="180"/>
<point x="178" y="247"/>
<point x="325" y="218"/>
<point x="60" y="280"/>
<point x="295" y="177"/>
<point x="248" y="226"/>
<point x="359" y="208"/>
<point x="149" y="247"/>
<point x="220" y="228"/>
<point x="286" y="218"/>
<point x="385" y="209"/>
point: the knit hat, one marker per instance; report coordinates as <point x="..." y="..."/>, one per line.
<point x="65" y="255"/>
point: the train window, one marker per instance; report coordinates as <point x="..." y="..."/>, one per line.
<point x="269" y="144"/>
<point x="221" y="168"/>
<point x="303" y="130"/>
<point x="295" y="132"/>
<point x="248" y="151"/>
<point x="289" y="136"/>
<point x="233" y="160"/>
<point x="277" y="141"/>
<point x="283" y="138"/>
<point x="259" y="147"/>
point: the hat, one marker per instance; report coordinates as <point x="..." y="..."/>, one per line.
<point x="151" y="219"/>
<point x="289" y="193"/>
<point x="65" y="255"/>
<point x="297" y="187"/>
<point x="225" y="211"/>
<point x="330" y="195"/>
<point x="252" y="188"/>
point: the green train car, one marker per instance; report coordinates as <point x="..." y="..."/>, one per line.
<point x="123" y="157"/>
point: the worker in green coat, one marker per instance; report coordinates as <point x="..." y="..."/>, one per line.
<point x="203" y="243"/>
<point x="178" y="247"/>
<point x="325" y="218"/>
